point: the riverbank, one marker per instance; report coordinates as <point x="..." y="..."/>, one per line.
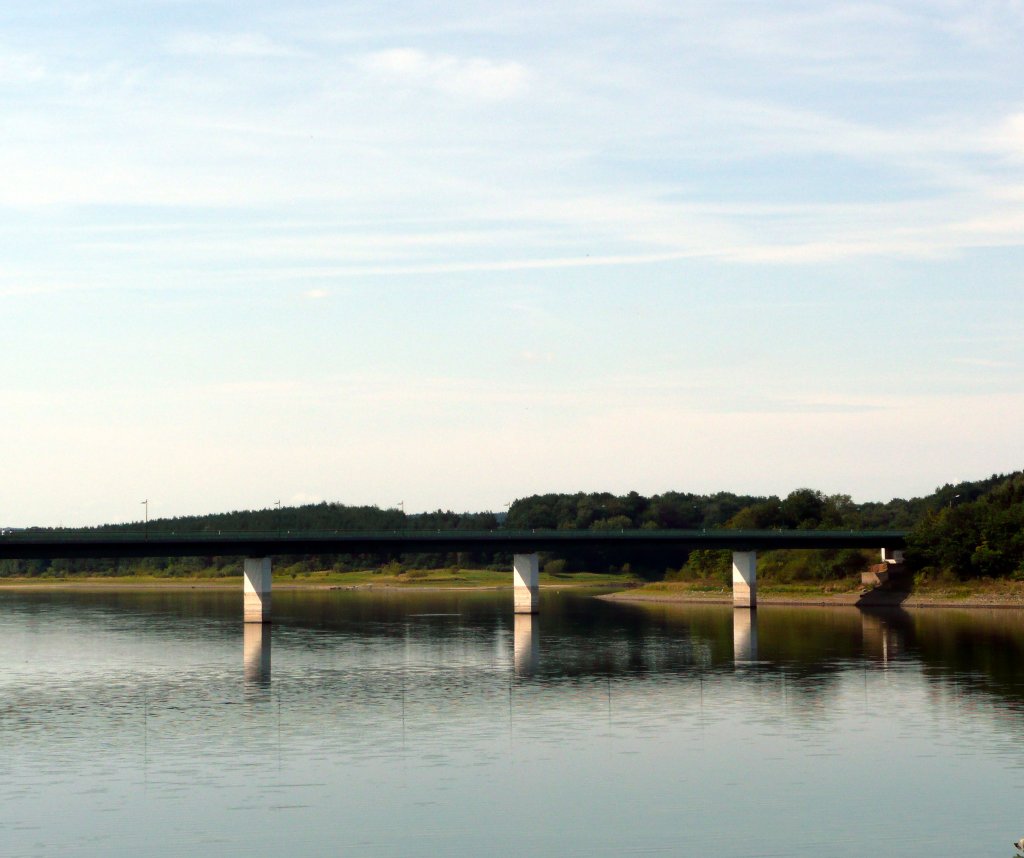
<point x="848" y="592"/>
<point x="984" y="593"/>
<point x="413" y="579"/>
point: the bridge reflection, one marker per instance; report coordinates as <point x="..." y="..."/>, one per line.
<point x="883" y="637"/>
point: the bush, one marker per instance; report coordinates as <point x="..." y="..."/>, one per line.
<point x="554" y="568"/>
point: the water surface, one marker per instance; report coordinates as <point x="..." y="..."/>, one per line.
<point x="437" y="723"/>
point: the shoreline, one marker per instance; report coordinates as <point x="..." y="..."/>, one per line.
<point x="874" y="599"/>
<point x="230" y="586"/>
<point x="871" y="599"/>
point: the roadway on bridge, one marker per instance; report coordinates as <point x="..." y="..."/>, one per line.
<point x="35" y="544"/>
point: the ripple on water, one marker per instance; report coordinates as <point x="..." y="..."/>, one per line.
<point x="141" y="726"/>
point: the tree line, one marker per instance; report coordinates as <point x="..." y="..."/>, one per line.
<point x="964" y="530"/>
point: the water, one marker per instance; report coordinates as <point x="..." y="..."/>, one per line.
<point x="437" y="724"/>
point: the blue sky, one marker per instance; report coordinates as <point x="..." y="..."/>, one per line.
<point x="452" y="256"/>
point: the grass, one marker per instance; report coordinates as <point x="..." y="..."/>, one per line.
<point x="976" y="592"/>
<point x="998" y="589"/>
<point x="768" y="588"/>
<point x="287" y="578"/>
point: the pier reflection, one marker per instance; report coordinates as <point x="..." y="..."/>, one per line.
<point x="526" y="644"/>
<point x="744" y="636"/>
<point x="884" y="633"/>
<point x="256" y="654"/>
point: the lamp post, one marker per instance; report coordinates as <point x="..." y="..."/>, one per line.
<point x="145" y="533"/>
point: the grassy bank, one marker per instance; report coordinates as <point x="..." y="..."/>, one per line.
<point x="981" y="592"/>
<point x="363" y="579"/>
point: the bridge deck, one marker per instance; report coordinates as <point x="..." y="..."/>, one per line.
<point x="77" y="544"/>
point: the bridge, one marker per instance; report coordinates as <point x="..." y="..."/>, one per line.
<point x="524" y="545"/>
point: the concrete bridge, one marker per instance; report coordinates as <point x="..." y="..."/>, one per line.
<point x="259" y="548"/>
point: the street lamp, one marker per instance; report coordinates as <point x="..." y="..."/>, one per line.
<point x="145" y="503"/>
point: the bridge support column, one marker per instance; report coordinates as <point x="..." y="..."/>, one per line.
<point x="526" y="583"/>
<point x="892" y="555"/>
<point x="744" y="579"/>
<point x="256" y="588"/>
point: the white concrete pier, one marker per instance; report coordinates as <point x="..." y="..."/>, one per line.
<point x="892" y="555"/>
<point x="744" y="579"/>
<point x="256" y="588"/>
<point x="526" y="644"/>
<point x="744" y="637"/>
<point x="526" y="583"/>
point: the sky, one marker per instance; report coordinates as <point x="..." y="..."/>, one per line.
<point x="448" y="255"/>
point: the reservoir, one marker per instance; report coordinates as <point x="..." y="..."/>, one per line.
<point x="394" y="723"/>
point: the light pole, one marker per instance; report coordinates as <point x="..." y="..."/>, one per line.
<point x="145" y="534"/>
<point x="278" y="505"/>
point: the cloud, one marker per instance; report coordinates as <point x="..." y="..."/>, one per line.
<point x="317" y="294"/>
<point x="475" y="77"/>
<point x="1007" y="136"/>
<point x="985" y="363"/>
<point x="20" y="69"/>
<point x="240" y="45"/>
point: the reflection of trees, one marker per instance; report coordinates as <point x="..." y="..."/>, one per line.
<point x="461" y="644"/>
<point x="981" y="650"/>
<point x="801" y="652"/>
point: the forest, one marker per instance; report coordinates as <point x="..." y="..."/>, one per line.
<point x="959" y="532"/>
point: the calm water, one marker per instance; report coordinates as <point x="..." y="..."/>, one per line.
<point x="407" y="725"/>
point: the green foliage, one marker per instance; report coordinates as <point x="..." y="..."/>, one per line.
<point x="554" y="567"/>
<point x="979" y="533"/>
<point x="616" y="522"/>
<point x="961" y="531"/>
<point x="706" y="566"/>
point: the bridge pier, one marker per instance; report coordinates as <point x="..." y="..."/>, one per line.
<point x="892" y="556"/>
<point x="744" y="579"/>
<point x="526" y="583"/>
<point x="256" y="589"/>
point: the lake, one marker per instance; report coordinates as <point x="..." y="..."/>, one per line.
<point x="422" y="724"/>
